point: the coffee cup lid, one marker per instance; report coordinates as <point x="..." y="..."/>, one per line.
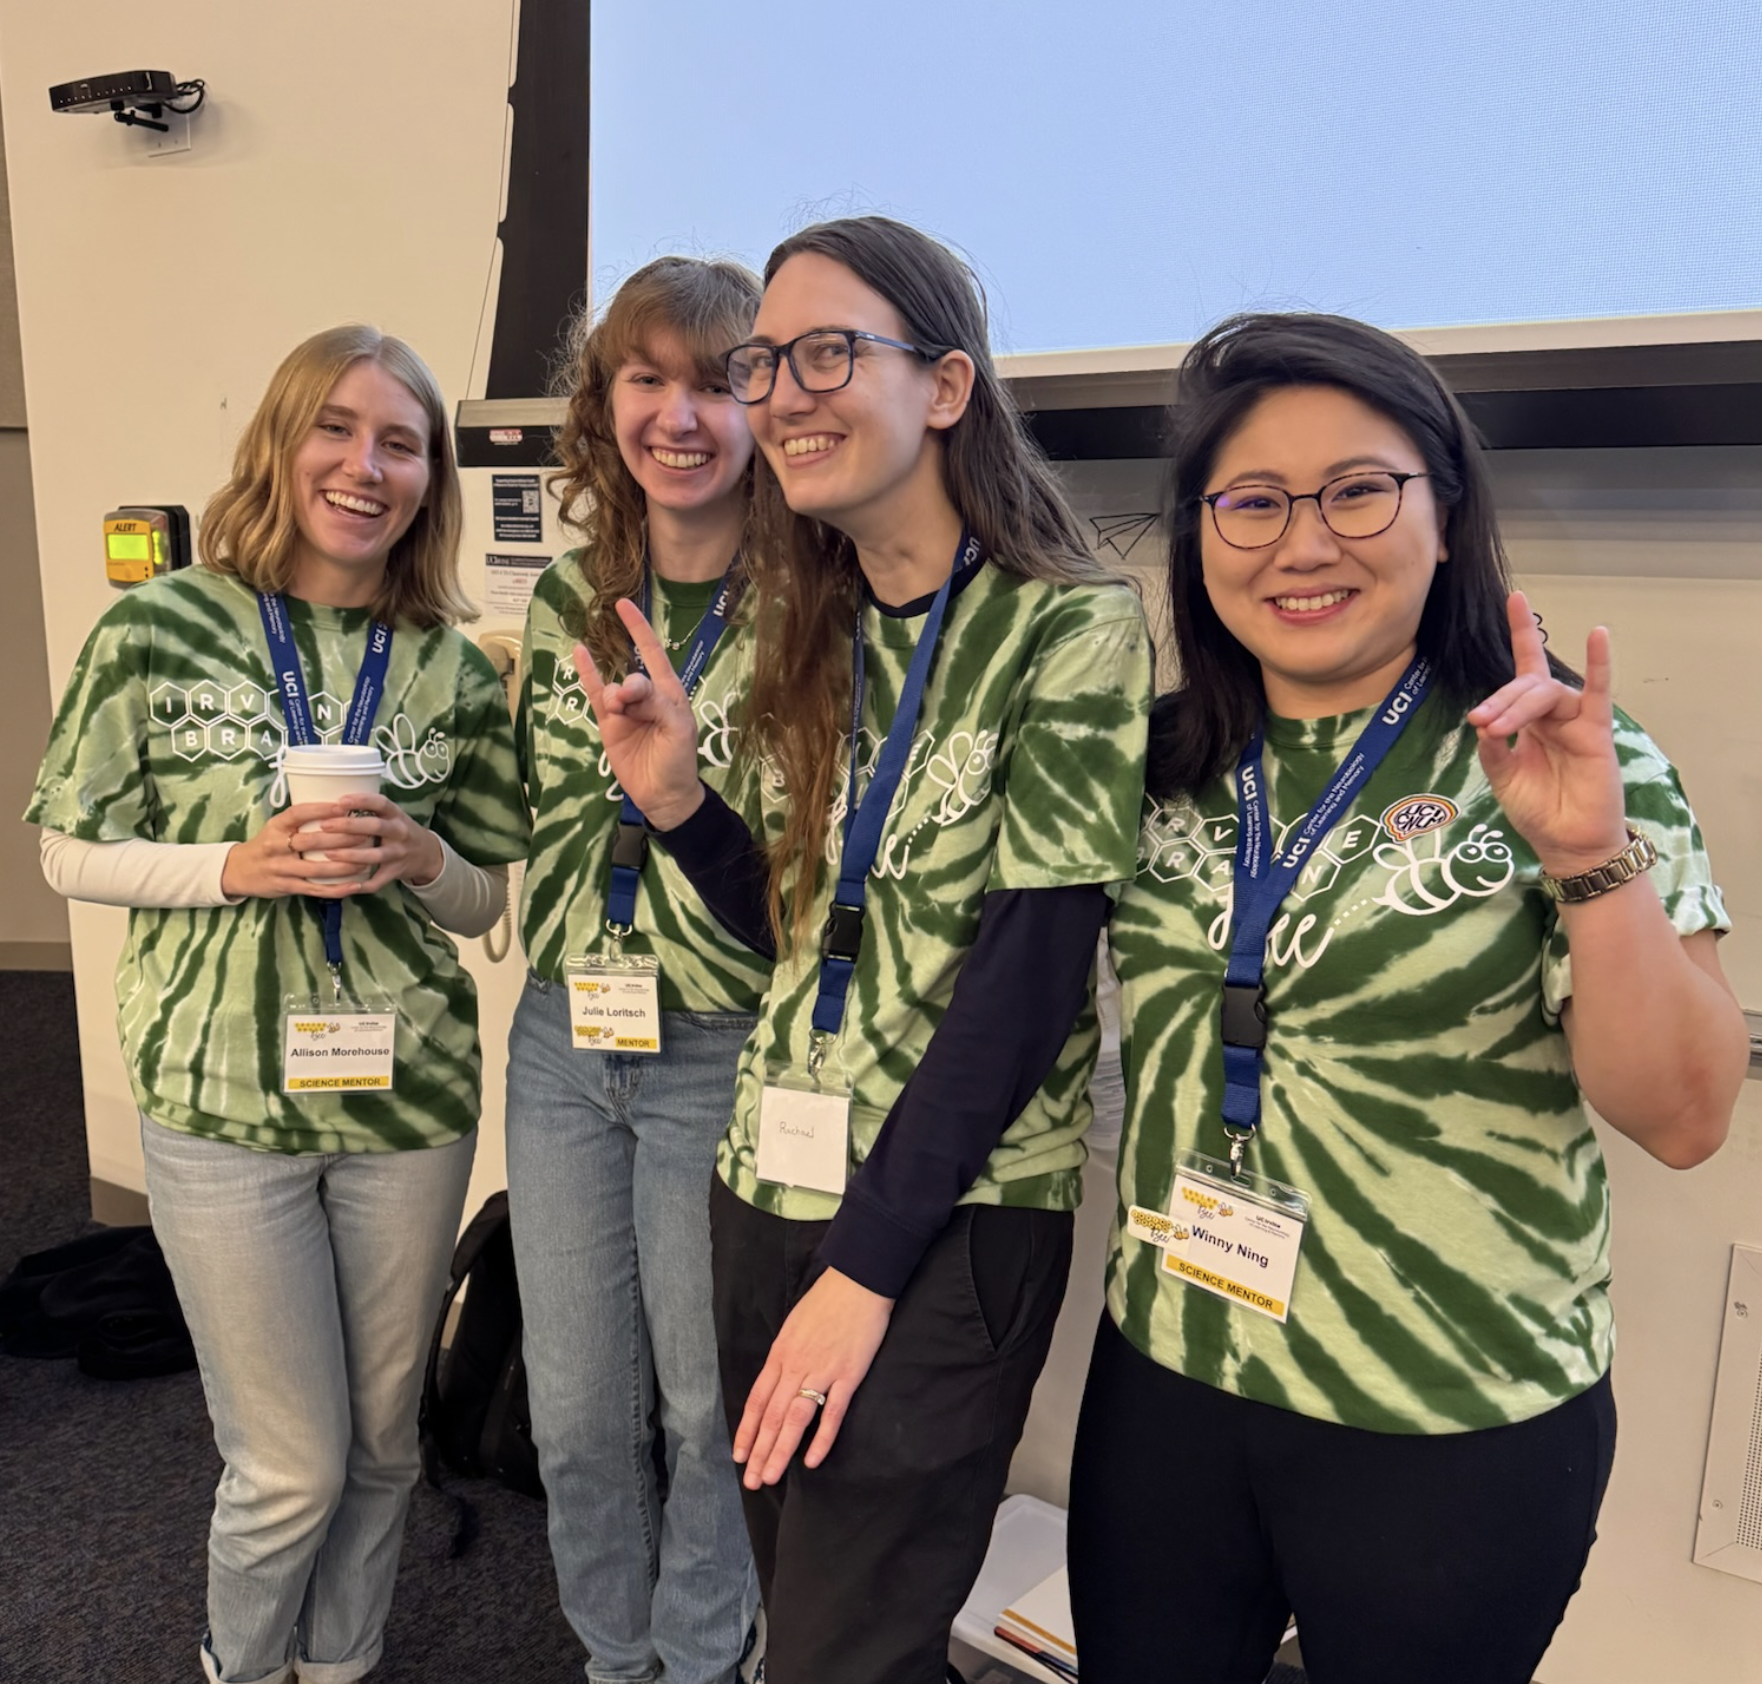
<point x="332" y="757"/>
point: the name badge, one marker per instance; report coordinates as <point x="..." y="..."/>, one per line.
<point x="615" y="1003"/>
<point x="804" y="1129"/>
<point x="1237" y="1236"/>
<point x="341" y="1047"/>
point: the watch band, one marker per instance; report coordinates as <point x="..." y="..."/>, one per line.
<point x="1637" y="857"/>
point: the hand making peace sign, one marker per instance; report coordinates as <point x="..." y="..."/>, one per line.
<point x="647" y="726"/>
<point x="1549" y="752"/>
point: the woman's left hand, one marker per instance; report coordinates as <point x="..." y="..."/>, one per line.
<point x="1549" y="752"/>
<point x="825" y="1345"/>
<point x="376" y="836"/>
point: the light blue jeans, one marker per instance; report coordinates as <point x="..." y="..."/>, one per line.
<point x="610" y="1157"/>
<point x="310" y="1285"/>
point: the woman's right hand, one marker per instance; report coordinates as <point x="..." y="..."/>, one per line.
<point x="272" y="864"/>
<point x="648" y="728"/>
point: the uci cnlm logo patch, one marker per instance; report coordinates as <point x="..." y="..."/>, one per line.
<point x="1414" y="815"/>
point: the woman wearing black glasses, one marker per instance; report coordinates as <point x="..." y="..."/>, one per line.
<point x="949" y="703"/>
<point x="1408" y="897"/>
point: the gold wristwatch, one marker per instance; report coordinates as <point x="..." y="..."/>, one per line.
<point x="1638" y="856"/>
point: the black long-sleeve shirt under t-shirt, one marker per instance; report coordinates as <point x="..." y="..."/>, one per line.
<point x="1020" y="988"/>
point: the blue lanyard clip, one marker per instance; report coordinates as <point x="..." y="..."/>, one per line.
<point x="1244" y="1015"/>
<point x="842" y="937"/>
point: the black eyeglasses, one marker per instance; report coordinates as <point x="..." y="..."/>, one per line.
<point x="821" y="361"/>
<point x="1251" y="517"/>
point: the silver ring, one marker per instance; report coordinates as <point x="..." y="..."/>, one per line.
<point x="812" y="1396"/>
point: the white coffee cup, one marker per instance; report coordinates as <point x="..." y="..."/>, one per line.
<point x="330" y="772"/>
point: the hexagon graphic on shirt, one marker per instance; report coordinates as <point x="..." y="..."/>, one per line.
<point x="268" y="739"/>
<point x="327" y="717"/>
<point x="1316" y="878"/>
<point x="189" y="739"/>
<point x="1216" y="871"/>
<point x="169" y="702"/>
<point x="1351" y="838"/>
<point x="207" y="702"/>
<point x="1174" y="860"/>
<point x="228" y="738"/>
<point x="247" y="702"/>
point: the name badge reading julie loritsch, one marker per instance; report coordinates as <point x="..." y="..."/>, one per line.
<point x="614" y="1003"/>
<point x="343" y="1047"/>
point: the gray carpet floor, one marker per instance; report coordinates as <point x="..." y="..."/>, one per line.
<point x="105" y="1487"/>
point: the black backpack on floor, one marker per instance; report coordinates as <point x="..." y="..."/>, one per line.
<point x="475" y="1417"/>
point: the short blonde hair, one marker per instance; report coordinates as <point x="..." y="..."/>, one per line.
<point x="248" y="528"/>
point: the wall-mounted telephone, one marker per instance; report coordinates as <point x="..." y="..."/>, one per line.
<point x="506" y="654"/>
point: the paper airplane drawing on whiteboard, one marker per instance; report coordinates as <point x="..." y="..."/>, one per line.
<point x="1121" y="533"/>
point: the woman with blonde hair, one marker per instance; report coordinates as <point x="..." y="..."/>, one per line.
<point x="621" y="1063"/>
<point x="307" y="1209"/>
<point x="949" y="703"/>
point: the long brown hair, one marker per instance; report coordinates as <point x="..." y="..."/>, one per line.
<point x="708" y="306"/>
<point x="249" y="530"/>
<point x="808" y="584"/>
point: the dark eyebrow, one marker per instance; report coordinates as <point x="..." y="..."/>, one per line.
<point x="1271" y="476"/>
<point x="826" y="327"/>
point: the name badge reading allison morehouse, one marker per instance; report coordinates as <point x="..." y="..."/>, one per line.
<point x="340" y="1049"/>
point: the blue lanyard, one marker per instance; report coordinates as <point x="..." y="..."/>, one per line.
<point x="1261" y="884"/>
<point x="630" y="847"/>
<point x="842" y="939"/>
<point x="290" y="685"/>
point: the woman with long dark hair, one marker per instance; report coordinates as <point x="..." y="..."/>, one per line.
<point x="621" y="1062"/>
<point x="1409" y="896"/>
<point x="948" y="705"/>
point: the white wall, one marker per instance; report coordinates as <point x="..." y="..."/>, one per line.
<point x="348" y="166"/>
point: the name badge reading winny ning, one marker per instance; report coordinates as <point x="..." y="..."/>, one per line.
<point x="340" y="1047"/>
<point x="614" y="1003"/>
<point x="804" y="1129"/>
<point x="1237" y="1236"/>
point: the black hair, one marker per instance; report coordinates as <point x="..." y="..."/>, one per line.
<point x="1198" y="730"/>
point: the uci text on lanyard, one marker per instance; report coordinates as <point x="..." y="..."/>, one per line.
<point x="614" y="996"/>
<point x="804" y="1114"/>
<point x="1229" y="1231"/>
<point x="336" y="1046"/>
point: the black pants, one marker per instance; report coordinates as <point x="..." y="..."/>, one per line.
<point x="1199" y="1520"/>
<point x="865" y="1560"/>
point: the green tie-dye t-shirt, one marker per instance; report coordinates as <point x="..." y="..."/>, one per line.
<point x="576" y="803"/>
<point x="1416" y="1085"/>
<point x="171" y="730"/>
<point x="1026" y="772"/>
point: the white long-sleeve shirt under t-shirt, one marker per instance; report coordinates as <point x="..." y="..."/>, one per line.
<point x="465" y="899"/>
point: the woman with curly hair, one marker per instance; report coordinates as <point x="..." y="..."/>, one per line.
<point x="621" y="1064"/>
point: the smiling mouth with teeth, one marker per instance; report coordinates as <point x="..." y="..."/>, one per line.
<point x="810" y="446"/>
<point x="680" y="458"/>
<point x="1310" y="604"/>
<point x="353" y="505"/>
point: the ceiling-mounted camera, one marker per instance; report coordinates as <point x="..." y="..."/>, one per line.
<point x="136" y="97"/>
